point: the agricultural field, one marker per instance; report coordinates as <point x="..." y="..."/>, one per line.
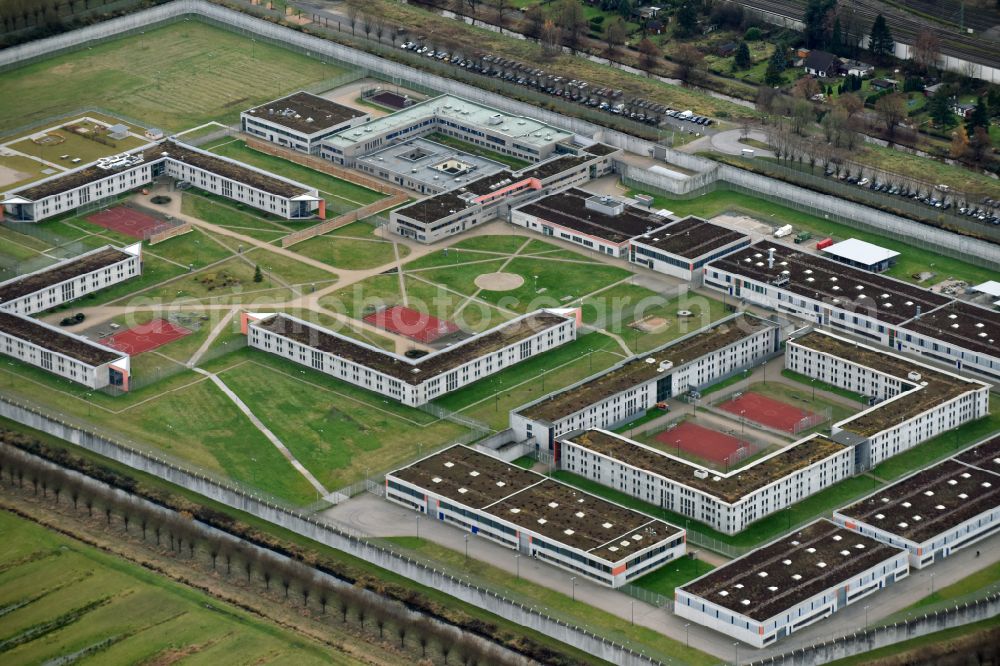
<point x="66" y="602"/>
<point x="173" y="77"/>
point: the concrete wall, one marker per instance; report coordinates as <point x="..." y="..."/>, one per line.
<point x="329" y="535"/>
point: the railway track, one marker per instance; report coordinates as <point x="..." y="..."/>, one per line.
<point x="904" y="27"/>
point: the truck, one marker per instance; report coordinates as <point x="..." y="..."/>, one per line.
<point x="781" y="232"/>
<point x="802" y="237"/>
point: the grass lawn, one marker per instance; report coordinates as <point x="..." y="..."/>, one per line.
<point x="913" y="259"/>
<point x="172" y="77"/>
<point x="448" y="257"/>
<point x="650" y="414"/>
<point x="988" y="576"/>
<point x="76" y="145"/>
<point x="288" y="269"/>
<point x="506" y="244"/>
<point x="148" y="618"/>
<point x="673" y="574"/>
<point x="757" y="533"/>
<point x="364" y="297"/>
<point x="349" y="252"/>
<point x="558" y="604"/>
<point x="928" y="170"/>
<point x="232" y="278"/>
<point x="914" y="650"/>
<point x="338" y="433"/>
<point x="945" y="444"/>
<point x="28" y="170"/>
<point x="514" y="163"/>
<point x="243" y="221"/>
<point x="348" y="195"/>
<point x="718" y="386"/>
<point x="823" y="386"/>
<point x="524" y="462"/>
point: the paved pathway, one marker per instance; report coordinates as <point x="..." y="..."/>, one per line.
<point x="242" y="406"/>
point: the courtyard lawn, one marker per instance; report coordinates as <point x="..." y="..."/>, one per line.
<point x="912" y="260"/>
<point x="506" y="244"/>
<point x="555" y="601"/>
<point x="514" y="163"/>
<point x="337" y="436"/>
<point x="767" y="529"/>
<point x="350" y="252"/>
<point x="233" y="278"/>
<point x="195" y="249"/>
<point x="673" y="574"/>
<point x="348" y="196"/>
<point x="945" y="444"/>
<point x="288" y="269"/>
<point x="144" y="617"/>
<point x="469" y="315"/>
<point x="154" y="272"/>
<point x="23" y="170"/>
<point x="364" y="297"/>
<point x="805" y="380"/>
<point x="224" y="215"/>
<point x="76" y="146"/>
<point x="177" y="76"/>
<point x="448" y="256"/>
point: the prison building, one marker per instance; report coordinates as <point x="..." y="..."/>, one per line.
<point x="862" y="254"/>
<point x="98" y="183"/>
<point x="727" y="502"/>
<point x="410" y="381"/>
<point x="61" y="353"/>
<point x="932" y="513"/>
<point x="426" y="167"/>
<point x="538" y="517"/>
<point x="634" y="386"/>
<point x="961" y="334"/>
<point x="599" y="223"/>
<point x="517" y="136"/>
<point x="70" y="279"/>
<point x="300" y="121"/>
<point x="682" y="248"/>
<point x="819" y="290"/>
<point x="791" y="583"/>
<point x="914" y="402"/>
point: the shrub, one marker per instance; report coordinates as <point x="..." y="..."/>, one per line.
<point x="753" y="34"/>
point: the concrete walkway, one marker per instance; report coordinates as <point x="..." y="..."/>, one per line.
<point x="271" y="437"/>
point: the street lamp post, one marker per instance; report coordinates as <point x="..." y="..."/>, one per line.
<point x="418" y="527"/>
<point x="932" y="582"/>
<point x="687" y="635"/>
<point x="466" y="547"/>
<point x="866" y="617"/>
<point x="572" y="579"/>
<point x="517" y="560"/>
<point x="737" y="646"/>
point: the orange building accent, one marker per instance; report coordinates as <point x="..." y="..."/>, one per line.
<point x="618" y="570"/>
<point x="322" y="209"/>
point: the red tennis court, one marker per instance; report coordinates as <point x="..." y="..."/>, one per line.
<point x="702" y="442"/>
<point x="415" y="325"/>
<point x="145" y="337"/>
<point x="127" y="221"/>
<point x="770" y="412"/>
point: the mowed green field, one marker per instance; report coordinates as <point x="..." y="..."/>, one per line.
<point x="173" y="77"/>
<point x="64" y="602"/>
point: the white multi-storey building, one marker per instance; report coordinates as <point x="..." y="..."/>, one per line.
<point x="727" y="502"/>
<point x="915" y="401"/>
<point x="879" y="308"/>
<point x="110" y="176"/>
<point x="300" y="121"/>
<point x="936" y="511"/>
<point x="683" y="247"/>
<point x="61" y="353"/>
<point x="541" y="518"/>
<point x="791" y="583"/>
<point x="634" y="386"/>
<point x="68" y="280"/>
<point x="411" y="381"/>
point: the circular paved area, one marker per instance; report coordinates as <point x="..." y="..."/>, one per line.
<point x="499" y="281"/>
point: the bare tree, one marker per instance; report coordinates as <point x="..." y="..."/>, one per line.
<point x="688" y="59"/>
<point x="380" y="623"/>
<point x="649" y="53"/>
<point x="344" y="604"/>
<point x="572" y="21"/>
<point x="401" y="631"/>
<point x="806" y="88"/>
<point x="534" y="21"/>
<point x="501" y="7"/>
<point x="353" y="14"/>
<point x="926" y="50"/>
<point x="615" y="33"/>
<point x="891" y="109"/>
<point x="551" y="36"/>
<point x="802" y="115"/>
<point x="379" y="27"/>
<point x="473" y="6"/>
<point x="367" y="24"/>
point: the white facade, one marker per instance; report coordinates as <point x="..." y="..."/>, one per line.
<point x="70" y="289"/>
<point x="300" y="121"/>
<point x="669" y="263"/>
<point x="665" y="486"/>
<point x="852" y="588"/>
<point x="394" y="375"/>
<point x="519" y="218"/>
<point x="962" y="400"/>
<point x="620" y="406"/>
<point x="61" y="353"/>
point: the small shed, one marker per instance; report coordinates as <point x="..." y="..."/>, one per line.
<point x="862" y="254"/>
<point x="990" y="288"/>
<point x="118" y="132"/>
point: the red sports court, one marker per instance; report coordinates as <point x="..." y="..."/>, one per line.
<point x="415" y="325"/>
<point x="770" y="412"/>
<point x="700" y="441"/>
<point x="127" y="221"/>
<point x="145" y="337"/>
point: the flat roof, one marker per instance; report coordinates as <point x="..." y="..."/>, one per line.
<point x="531" y="501"/>
<point x="990" y="287"/>
<point x="411" y="371"/>
<point x="520" y="128"/>
<point x="691" y="238"/>
<point x="65" y="270"/>
<point x="601" y="149"/>
<point x="305" y="112"/>
<point x="816" y="277"/>
<point x="861" y="252"/>
<point x="777" y="577"/>
<point x="985" y="455"/>
<point x="52" y="339"/>
<point x="424" y="161"/>
<point x="962" y="324"/>
<point x="435" y="207"/>
<point x="940" y="387"/>
<point x="569" y="209"/>
<point x="554" y="166"/>
<point x="639" y="370"/>
<point x="729" y="487"/>
<point x="227" y="168"/>
<point x="930" y="502"/>
<point x="70" y="180"/>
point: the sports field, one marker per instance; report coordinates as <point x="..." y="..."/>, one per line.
<point x="64" y="602"/>
<point x="701" y="442"/>
<point x="173" y="77"/>
<point x="771" y="413"/>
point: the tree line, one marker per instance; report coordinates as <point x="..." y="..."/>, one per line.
<point x="293" y="582"/>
